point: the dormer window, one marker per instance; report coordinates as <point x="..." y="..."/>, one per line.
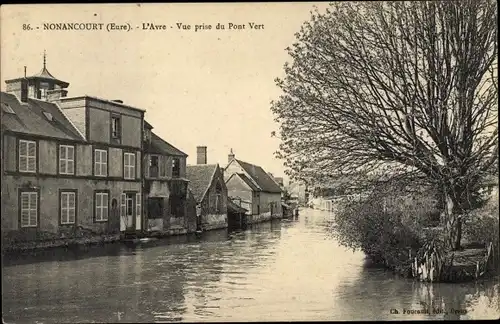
<point x="8" y="109"/>
<point x="48" y="116"/>
<point x="116" y="127"/>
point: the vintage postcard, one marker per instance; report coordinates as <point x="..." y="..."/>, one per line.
<point x="248" y="162"/>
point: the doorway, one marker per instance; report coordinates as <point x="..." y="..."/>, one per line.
<point x="128" y="219"/>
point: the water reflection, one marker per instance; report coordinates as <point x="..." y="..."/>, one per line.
<point x="273" y="271"/>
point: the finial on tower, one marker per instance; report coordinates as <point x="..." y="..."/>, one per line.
<point x="230" y="156"/>
<point x="44" y="58"/>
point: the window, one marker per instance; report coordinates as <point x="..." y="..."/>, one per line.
<point x="101" y="163"/>
<point x="42" y="92"/>
<point x="31" y="92"/>
<point x="66" y="159"/>
<point x="115" y="127"/>
<point x="27" y="156"/>
<point x="101" y="203"/>
<point x="176" y="168"/>
<point x="129" y="166"/>
<point x="68" y="207"/>
<point x="153" y="166"/>
<point x="29" y="209"/>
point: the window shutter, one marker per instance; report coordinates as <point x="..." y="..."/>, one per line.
<point x="105" y="204"/>
<point x="63" y="207"/>
<point x="138" y="208"/>
<point x="23" y="160"/>
<point x="71" y="207"/>
<point x="104" y="163"/>
<point x="123" y="209"/>
<point x="32" y="156"/>
<point x="70" y="154"/>
<point x="25" y="209"/>
<point x="97" y="160"/>
<point x="33" y="208"/>
<point x="132" y="168"/>
<point x="62" y="159"/>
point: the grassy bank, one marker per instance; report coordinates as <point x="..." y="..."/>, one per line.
<point x="400" y="229"/>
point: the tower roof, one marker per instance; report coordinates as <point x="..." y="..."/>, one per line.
<point x="43" y="75"/>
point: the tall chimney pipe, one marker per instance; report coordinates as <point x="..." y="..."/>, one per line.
<point x="201" y="155"/>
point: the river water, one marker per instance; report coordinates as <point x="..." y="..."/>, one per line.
<point x="275" y="271"/>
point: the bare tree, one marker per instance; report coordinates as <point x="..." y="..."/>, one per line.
<point x="406" y="88"/>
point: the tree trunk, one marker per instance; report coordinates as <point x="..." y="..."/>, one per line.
<point x="452" y="224"/>
<point x="458" y="238"/>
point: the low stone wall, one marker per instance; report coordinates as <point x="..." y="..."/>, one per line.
<point x="10" y="247"/>
<point x="259" y="218"/>
<point x="155" y="224"/>
<point x="214" y="221"/>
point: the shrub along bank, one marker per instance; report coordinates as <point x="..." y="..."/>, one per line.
<point x="398" y="228"/>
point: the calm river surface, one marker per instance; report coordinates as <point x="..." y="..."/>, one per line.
<point x="286" y="271"/>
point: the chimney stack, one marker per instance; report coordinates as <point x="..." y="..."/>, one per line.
<point x="230" y="156"/>
<point x="201" y="155"/>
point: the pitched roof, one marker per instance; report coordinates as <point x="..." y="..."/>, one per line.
<point x="234" y="208"/>
<point x="246" y="180"/>
<point x="200" y="177"/>
<point x="32" y="118"/>
<point x="263" y="180"/>
<point x="160" y="146"/>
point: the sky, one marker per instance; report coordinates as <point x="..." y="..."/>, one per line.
<point x="199" y="88"/>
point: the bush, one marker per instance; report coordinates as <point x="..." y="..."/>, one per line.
<point x="387" y="225"/>
<point x="482" y="225"/>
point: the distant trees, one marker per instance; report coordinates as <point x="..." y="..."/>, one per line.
<point x="405" y="89"/>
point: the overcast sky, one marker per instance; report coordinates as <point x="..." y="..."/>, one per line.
<point x="210" y="87"/>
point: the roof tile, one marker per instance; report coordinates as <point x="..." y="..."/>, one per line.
<point x="200" y="178"/>
<point x="263" y="180"/>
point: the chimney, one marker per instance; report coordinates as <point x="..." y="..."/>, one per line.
<point x="201" y="155"/>
<point x="230" y="156"/>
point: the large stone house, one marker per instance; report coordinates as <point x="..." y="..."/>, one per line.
<point x="257" y="191"/>
<point x="206" y="181"/>
<point x="69" y="165"/>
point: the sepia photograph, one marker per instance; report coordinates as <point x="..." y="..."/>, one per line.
<point x="249" y="162"/>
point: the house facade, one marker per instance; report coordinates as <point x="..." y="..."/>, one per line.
<point x="298" y="192"/>
<point x="244" y="192"/>
<point x="166" y="186"/>
<point x="250" y="183"/>
<point x="206" y="182"/>
<point x="69" y="165"/>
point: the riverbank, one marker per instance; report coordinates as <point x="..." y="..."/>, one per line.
<point x="400" y="229"/>
<point x="17" y="246"/>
